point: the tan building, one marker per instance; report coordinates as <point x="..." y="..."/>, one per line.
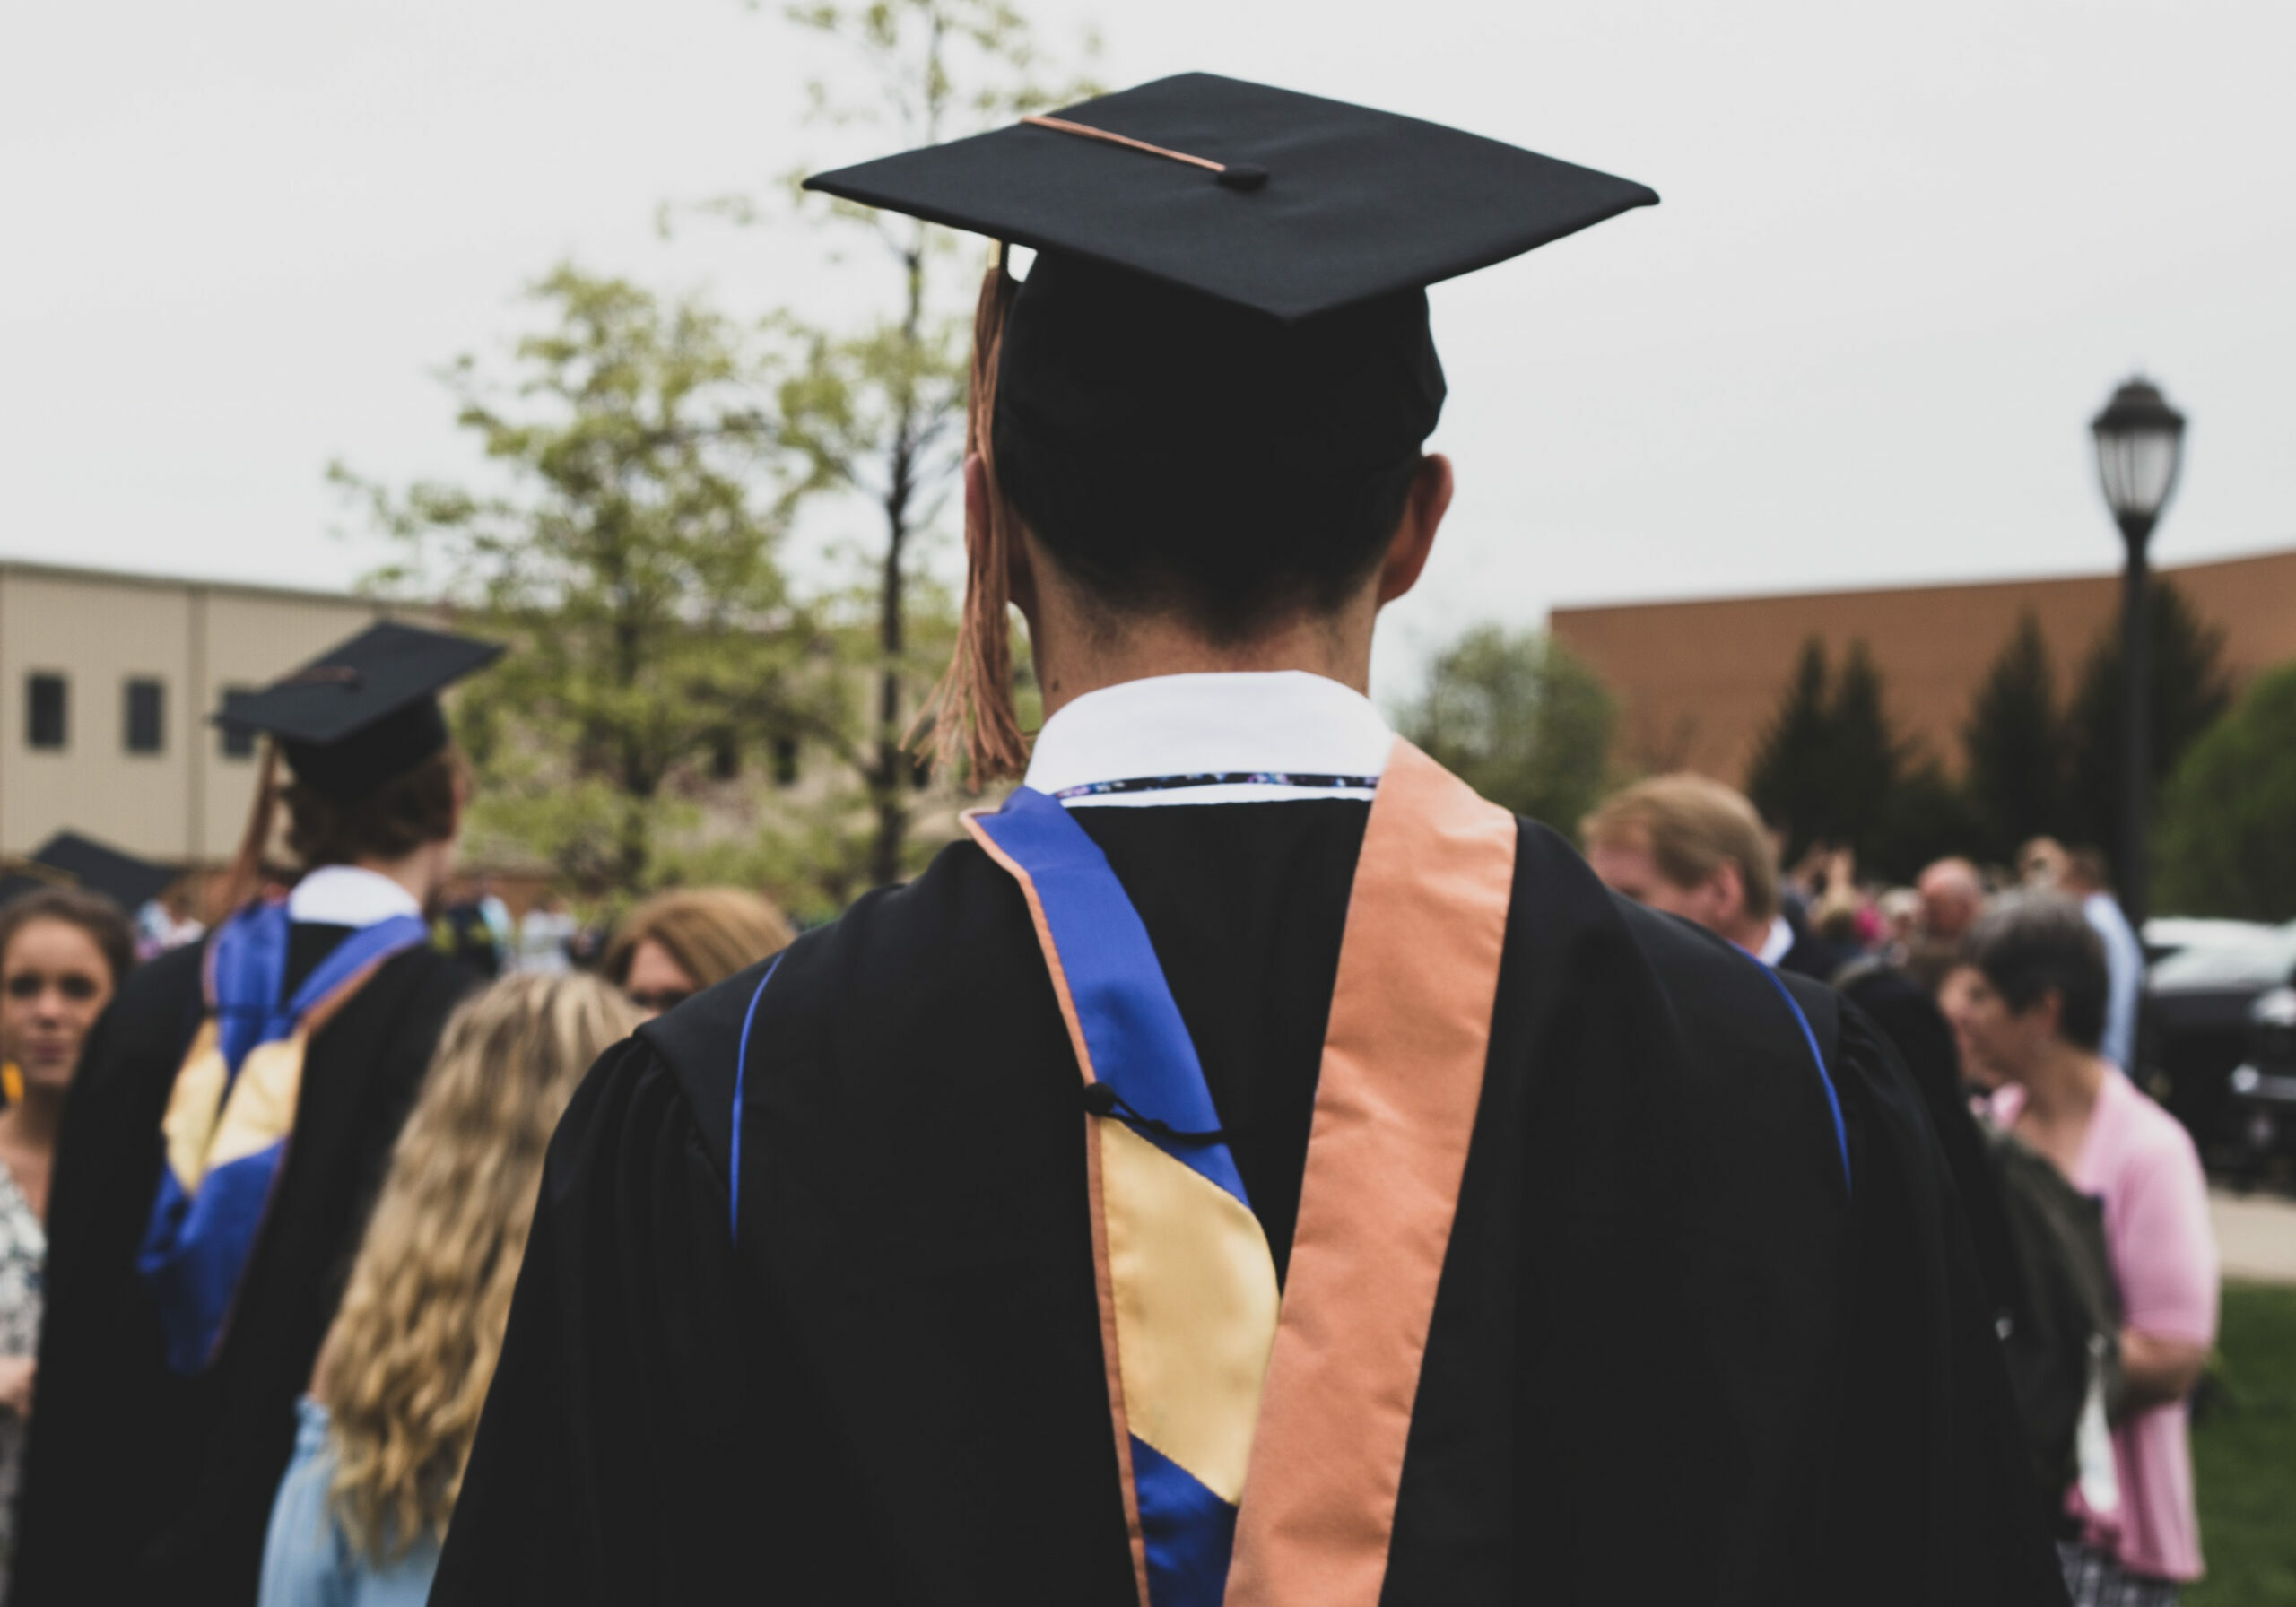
<point x="106" y="683"/>
<point x="1698" y="681"/>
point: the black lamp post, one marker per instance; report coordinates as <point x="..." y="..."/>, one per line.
<point x="2140" y="442"/>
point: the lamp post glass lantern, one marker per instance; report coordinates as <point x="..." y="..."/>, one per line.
<point x="2140" y="441"/>
<point x="2140" y="446"/>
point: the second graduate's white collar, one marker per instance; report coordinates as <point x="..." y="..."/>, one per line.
<point x="1188" y="739"/>
<point x="344" y="895"/>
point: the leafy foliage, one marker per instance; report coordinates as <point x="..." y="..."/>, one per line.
<point x="878" y="410"/>
<point x="2224" y="841"/>
<point x="2188" y="691"/>
<point x="1826" y="767"/>
<point x="1830" y="768"/>
<point x="631" y="564"/>
<point x="1867" y="757"/>
<point x="1928" y="817"/>
<point x="1520" y="720"/>
<point x="1792" y="769"/>
<point x="2016" y="746"/>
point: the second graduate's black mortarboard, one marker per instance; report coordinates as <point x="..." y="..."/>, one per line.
<point x="1231" y="281"/>
<point x="68" y="859"/>
<point x="362" y="712"/>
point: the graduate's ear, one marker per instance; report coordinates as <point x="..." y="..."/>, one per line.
<point x="1414" y="538"/>
<point x="1021" y="581"/>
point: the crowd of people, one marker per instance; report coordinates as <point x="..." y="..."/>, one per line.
<point x="2012" y="1002"/>
<point x="258" y="1365"/>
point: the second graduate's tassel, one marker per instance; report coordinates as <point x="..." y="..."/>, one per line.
<point x="971" y="713"/>
<point x="246" y="877"/>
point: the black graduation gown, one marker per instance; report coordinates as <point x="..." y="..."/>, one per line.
<point x="1907" y="1014"/>
<point x="140" y="1485"/>
<point x="1669" y="1360"/>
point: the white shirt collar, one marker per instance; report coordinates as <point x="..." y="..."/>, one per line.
<point x="1775" y="946"/>
<point x="1301" y="735"/>
<point x="343" y="895"/>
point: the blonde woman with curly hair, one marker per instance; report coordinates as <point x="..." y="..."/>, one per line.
<point x="396" y="1399"/>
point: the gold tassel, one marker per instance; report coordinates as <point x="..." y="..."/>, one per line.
<point x="970" y="712"/>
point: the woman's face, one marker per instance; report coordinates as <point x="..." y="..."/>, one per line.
<point x="656" y="981"/>
<point x="1952" y="1001"/>
<point x="1997" y="1039"/>
<point x="53" y="983"/>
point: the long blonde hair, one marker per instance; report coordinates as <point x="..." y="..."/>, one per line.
<point x="414" y="1344"/>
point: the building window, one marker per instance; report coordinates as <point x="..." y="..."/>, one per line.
<point x="144" y="718"/>
<point x="46" y="724"/>
<point x="785" y="762"/>
<point x="235" y="741"/>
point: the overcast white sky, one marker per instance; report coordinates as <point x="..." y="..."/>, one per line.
<point x="1904" y="253"/>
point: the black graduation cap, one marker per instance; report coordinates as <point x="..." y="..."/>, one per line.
<point x="1229" y="276"/>
<point x="1228" y="309"/>
<point x="71" y="860"/>
<point x="1286" y="204"/>
<point x="362" y="712"/>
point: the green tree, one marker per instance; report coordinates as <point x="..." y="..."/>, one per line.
<point x="878" y="410"/>
<point x="1520" y="720"/>
<point x="2188" y="691"/>
<point x="1826" y="769"/>
<point x="2015" y="742"/>
<point x="1791" y="772"/>
<point x="1831" y="768"/>
<point x="1866" y="757"/>
<point x="629" y="560"/>
<point x="1928" y="817"/>
<point x="2224" y="841"/>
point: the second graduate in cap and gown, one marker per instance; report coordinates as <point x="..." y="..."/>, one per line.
<point x="1248" y="1166"/>
<point x="233" y="1113"/>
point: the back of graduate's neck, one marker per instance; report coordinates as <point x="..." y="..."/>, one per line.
<point x="1065" y="679"/>
<point x="1082" y="649"/>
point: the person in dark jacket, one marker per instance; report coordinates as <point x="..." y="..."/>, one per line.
<point x="232" y="1116"/>
<point x="1688" y="844"/>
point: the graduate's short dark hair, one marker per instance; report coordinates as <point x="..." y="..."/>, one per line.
<point x="2029" y="945"/>
<point x="1175" y="453"/>
<point x="1225" y="551"/>
<point x="423" y="804"/>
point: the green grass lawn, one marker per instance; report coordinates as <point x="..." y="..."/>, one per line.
<point x="2244" y="1454"/>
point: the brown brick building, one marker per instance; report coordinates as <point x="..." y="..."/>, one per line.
<point x="1698" y="681"/>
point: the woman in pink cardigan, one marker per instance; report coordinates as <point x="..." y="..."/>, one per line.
<point x="2034" y="1013"/>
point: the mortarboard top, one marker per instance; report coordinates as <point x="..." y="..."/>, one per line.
<point x="1323" y="205"/>
<point x="364" y="711"/>
<point x="71" y="860"/>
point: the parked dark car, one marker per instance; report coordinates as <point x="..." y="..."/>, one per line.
<point x="2196" y="1029"/>
<point x="2263" y="1087"/>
